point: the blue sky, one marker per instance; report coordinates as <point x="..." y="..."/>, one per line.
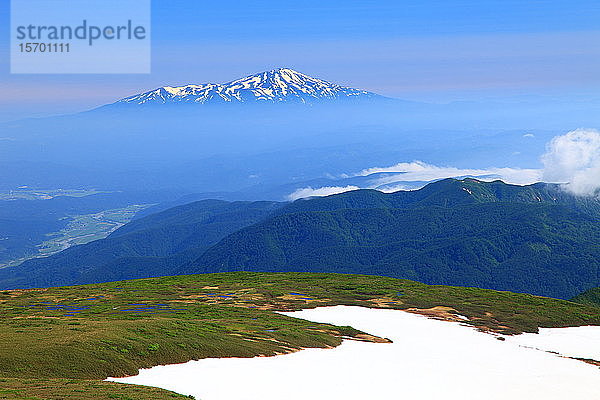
<point x="437" y="51"/>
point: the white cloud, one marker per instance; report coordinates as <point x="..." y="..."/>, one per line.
<point x="395" y="188"/>
<point x="574" y="159"/>
<point x="319" y="192"/>
<point x="529" y="135"/>
<point x="420" y="171"/>
<point x="399" y="176"/>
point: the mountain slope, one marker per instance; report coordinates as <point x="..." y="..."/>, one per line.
<point x="590" y="297"/>
<point x="275" y="86"/>
<point x="535" y="239"/>
<point x="535" y="248"/>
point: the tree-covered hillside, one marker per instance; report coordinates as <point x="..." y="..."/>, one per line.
<point x="590" y="297"/>
<point x="542" y="249"/>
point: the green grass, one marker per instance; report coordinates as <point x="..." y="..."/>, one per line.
<point x="218" y="315"/>
<point x="76" y="389"/>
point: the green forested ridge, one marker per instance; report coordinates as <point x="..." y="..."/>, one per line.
<point x="449" y="193"/>
<point x="590" y="297"/>
<point x="59" y="343"/>
<point x="536" y="239"/>
<point x="535" y="248"/>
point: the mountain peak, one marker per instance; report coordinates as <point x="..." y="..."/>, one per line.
<point x="280" y="85"/>
<point x="285" y="70"/>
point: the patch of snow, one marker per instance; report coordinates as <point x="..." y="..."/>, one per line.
<point x="577" y="342"/>
<point x="428" y="359"/>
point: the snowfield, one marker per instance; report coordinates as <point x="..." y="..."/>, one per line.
<point x="576" y="342"/>
<point x="428" y="359"/>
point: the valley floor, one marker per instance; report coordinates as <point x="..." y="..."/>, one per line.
<point x="428" y="359"/>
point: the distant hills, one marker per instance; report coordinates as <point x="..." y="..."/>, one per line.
<point x="536" y="239"/>
<point x="275" y="86"/>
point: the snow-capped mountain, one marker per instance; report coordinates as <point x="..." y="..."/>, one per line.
<point x="278" y="85"/>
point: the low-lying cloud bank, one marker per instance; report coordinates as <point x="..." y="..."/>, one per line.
<point x="572" y="159"/>
<point x="398" y="177"/>
<point x="319" y="192"/>
<point x="420" y="171"/>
